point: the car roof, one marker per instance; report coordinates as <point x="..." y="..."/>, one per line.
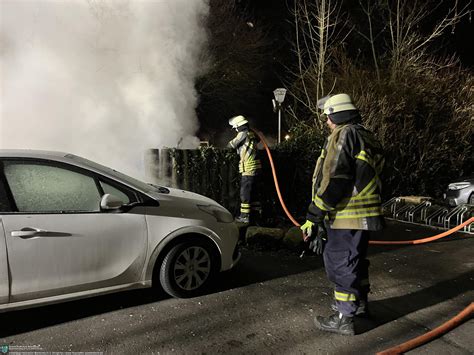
<point x="49" y="155"/>
<point x="30" y="153"/>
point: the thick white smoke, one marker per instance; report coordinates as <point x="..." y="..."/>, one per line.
<point x="102" y="79"/>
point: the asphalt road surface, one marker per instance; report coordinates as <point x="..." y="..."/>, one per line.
<point x="266" y="305"/>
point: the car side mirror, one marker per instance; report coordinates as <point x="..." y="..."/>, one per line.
<point x="110" y="202"/>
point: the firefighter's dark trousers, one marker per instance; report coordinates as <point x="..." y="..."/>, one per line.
<point x="347" y="267"/>
<point x="250" y="195"/>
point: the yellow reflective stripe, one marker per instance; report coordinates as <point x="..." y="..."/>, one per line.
<point x="344" y="297"/>
<point x="364" y="159"/>
<point x="249" y="169"/>
<point x="373" y="214"/>
<point x="362" y="153"/>
<point x="371" y="186"/>
<point x="320" y="204"/>
<point x="359" y="201"/>
<point x="360" y="198"/>
<point x="245" y="204"/>
<point x="253" y="163"/>
<point x="364" y="156"/>
<point x="358" y="209"/>
<point x="368" y="202"/>
<point x="360" y="214"/>
<point x="323" y="153"/>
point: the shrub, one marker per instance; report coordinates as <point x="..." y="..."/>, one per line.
<point x="424" y="121"/>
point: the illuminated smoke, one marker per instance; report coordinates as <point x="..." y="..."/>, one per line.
<point x="102" y="79"/>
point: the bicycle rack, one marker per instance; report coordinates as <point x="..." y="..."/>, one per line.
<point x="392" y="205"/>
<point x="404" y="211"/>
<point x="424" y="211"/>
<point x="458" y="212"/>
<point x="438" y="214"/>
<point x="428" y="213"/>
<point x="422" y="207"/>
<point x="469" y="228"/>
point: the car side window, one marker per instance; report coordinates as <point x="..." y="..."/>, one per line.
<point x="109" y="189"/>
<point x="46" y="188"/>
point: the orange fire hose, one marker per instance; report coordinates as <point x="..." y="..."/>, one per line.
<point x="275" y="179"/>
<point x="422" y="339"/>
<point x="373" y="242"/>
<point x="444" y="328"/>
<point x="424" y="240"/>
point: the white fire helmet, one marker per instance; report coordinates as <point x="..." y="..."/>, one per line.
<point x="238" y="121"/>
<point x="336" y="103"/>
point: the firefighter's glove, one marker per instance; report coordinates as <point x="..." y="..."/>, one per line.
<point x="307" y="229"/>
<point x="317" y="243"/>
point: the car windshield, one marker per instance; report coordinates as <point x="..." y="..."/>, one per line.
<point x="128" y="179"/>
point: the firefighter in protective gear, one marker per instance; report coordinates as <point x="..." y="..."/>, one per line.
<point x="346" y="204"/>
<point x="249" y="167"/>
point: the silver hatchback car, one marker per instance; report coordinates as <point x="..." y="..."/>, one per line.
<point x="71" y="228"/>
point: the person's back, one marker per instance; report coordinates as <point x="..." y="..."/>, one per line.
<point x="246" y="145"/>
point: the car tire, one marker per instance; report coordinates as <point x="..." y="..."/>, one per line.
<point x="471" y="199"/>
<point x="188" y="268"/>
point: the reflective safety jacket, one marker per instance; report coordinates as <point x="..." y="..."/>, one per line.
<point x="246" y="144"/>
<point x="346" y="181"/>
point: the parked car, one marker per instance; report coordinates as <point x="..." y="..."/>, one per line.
<point x="71" y="228"/>
<point x="460" y="192"/>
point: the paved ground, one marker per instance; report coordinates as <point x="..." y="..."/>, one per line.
<point x="266" y="305"/>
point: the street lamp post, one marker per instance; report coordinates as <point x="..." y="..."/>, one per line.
<point x="279" y="97"/>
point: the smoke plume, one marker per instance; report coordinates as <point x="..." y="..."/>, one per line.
<point x="102" y="79"/>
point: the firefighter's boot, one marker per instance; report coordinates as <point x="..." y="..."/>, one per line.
<point x="336" y="323"/>
<point x="362" y="309"/>
<point x="243" y="218"/>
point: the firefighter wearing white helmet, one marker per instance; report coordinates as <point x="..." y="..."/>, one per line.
<point x="249" y="167"/>
<point x="336" y="103"/>
<point x="238" y="121"/>
<point x="346" y="205"/>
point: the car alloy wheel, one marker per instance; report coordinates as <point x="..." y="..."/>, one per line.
<point x="187" y="269"/>
<point x="192" y="268"/>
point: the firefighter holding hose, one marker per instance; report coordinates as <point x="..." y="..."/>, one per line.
<point x="346" y="205"/>
<point x="250" y="166"/>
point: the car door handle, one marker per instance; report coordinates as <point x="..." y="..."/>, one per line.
<point x="28" y="232"/>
